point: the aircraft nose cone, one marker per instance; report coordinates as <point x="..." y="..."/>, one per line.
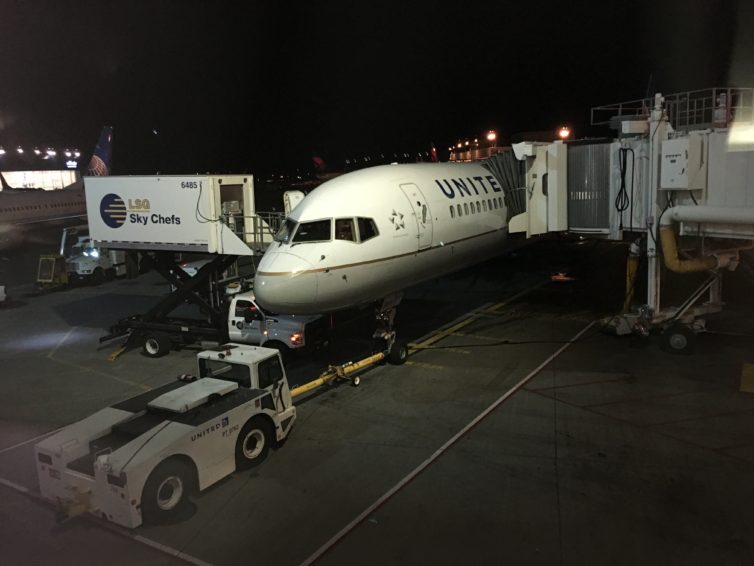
<point x="286" y="283"/>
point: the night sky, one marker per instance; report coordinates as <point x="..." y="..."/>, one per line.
<point x="261" y="87"/>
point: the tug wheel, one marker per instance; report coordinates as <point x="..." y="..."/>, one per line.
<point x="678" y="339"/>
<point x="253" y="443"/>
<point x="166" y="491"/>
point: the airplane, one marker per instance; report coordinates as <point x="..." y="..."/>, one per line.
<point x="20" y="208"/>
<point x="366" y="236"/>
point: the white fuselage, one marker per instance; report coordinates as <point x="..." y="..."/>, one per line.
<point x="22" y="207"/>
<point x="430" y="219"/>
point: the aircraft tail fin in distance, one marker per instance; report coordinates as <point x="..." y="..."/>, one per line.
<point x="99" y="165"/>
<point x="319" y="164"/>
<point x="4" y="184"/>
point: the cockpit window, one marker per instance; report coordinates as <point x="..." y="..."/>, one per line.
<point x="317" y="231"/>
<point x="367" y="229"/>
<point x="344" y="229"/>
<point x="286" y="231"/>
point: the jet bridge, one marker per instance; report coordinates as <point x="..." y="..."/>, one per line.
<point x="676" y="182"/>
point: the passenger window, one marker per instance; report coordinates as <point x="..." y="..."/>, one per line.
<point x="367" y="229"/>
<point x="484" y="205"/>
<point x="460" y="212"/>
<point x="270" y="372"/>
<point x="344" y="229"/>
<point x="466" y="208"/>
<point x="452" y="211"/>
<point x="317" y="231"/>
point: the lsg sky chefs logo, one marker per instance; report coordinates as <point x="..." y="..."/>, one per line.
<point x="116" y="212"/>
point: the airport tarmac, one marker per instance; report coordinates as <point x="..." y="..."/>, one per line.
<point x="515" y="433"/>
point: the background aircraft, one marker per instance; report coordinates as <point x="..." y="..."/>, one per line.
<point x="20" y="209"/>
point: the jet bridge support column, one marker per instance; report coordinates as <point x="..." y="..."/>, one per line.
<point x="658" y="132"/>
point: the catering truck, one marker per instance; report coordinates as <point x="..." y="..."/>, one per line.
<point x="139" y="459"/>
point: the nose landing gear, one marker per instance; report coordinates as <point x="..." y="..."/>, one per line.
<point x="396" y="352"/>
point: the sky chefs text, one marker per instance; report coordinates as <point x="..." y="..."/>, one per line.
<point x="115" y="212"/>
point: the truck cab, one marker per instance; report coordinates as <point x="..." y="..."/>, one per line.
<point x="249" y="323"/>
<point x="87" y="261"/>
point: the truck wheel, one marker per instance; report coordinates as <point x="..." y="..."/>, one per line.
<point x="678" y="339"/>
<point x="253" y="443"/>
<point x="166" y="491"/>
<point x="156" y="344"/>
<point x="98" y="276"/>
<point x="110" y="274"/>
<point x="398" y="354"/>
<point x="284" y="350"/>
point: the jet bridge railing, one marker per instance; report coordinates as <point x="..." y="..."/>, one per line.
<point x="712" y="107"/>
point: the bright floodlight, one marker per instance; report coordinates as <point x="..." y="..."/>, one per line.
<point x="68" y="153"/>
<point x="51" y="152"/>
<point x="491" y="136"/>
<point x="564" y="132"/>
<point x="20" y="149"/>
<point x="459" y="145"/>
<point x="77" y="153"/>
<point x="36" y="151"/>
<point x="2" y="151"/>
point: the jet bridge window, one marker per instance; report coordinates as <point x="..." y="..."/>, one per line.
<point x="344" y="229"/>
<point x="316" y="231"/>
<point x="367" y="229"/>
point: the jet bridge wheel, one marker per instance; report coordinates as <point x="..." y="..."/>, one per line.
<point x="253" y="443"/>
<point x="678" y="339"/>
<point x="156" y="344"/>
<point x="166" y="491"/>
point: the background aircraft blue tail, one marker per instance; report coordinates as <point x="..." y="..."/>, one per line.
<point x="99" y="165"/>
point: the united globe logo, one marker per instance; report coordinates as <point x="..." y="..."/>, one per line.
<point x="113" y="210"/>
